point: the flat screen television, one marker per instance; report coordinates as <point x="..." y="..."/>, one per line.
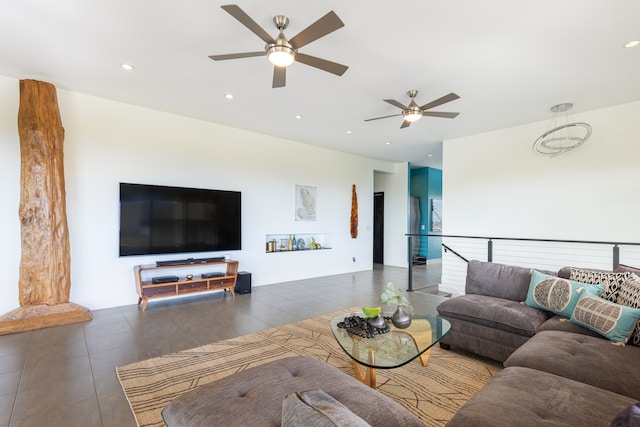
<point x="164" y="220"/>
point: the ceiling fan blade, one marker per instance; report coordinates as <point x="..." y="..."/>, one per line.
<point x="447" y="98"/>
<point x="396" y="104"/>
<point x="440" y="114"/>
<point x="323" y="26"/>
<point x="383" y="117"/>
<point x="236" y="55"/>
<point x="235" y="11"/>
<point x="279" y="76"/>
<point x="405" y="124"/>
<point x="323" y="64"/>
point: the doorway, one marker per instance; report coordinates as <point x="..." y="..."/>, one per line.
<point x="378" y="228"/>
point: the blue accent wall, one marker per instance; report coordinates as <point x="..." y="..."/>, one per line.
<point x="426" y="184"/>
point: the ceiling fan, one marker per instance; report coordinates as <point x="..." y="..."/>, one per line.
<point x="282" y="52"/>
<point x="413" y="112"/>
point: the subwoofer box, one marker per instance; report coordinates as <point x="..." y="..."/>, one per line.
<point x="243" y="283"/>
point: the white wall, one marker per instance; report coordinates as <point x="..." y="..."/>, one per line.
<point x="396" y="213"/>
<point x="108" y="142"/>
<point x="495" y="185"/>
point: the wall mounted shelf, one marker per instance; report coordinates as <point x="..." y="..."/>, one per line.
<point x="303" y="242"/>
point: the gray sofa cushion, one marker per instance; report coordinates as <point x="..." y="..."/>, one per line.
<point x="497" y="280"/>
<point x="583" y="358"/>
<point x="254" y="397"/>
<point x="315" y="408"/>
<point x="494" y="312"/>
<point x="482" y="340"/>
<point x="523" y="397"/>
<point x="621" y="268"/>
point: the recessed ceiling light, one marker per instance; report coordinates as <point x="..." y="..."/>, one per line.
<point x="298" y="116"/>
<point x="228" y="95"/>
<point x="349" y="132"/>
<point x="387" y="143"/>
<point x="429" y="155"/>
<point x="632" y="43"/>
<point x="127" y="67"/>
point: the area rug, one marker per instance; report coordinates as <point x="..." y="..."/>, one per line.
<point x="433" y="393"/>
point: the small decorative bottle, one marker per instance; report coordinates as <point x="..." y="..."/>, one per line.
<point x="289" y="244"/>
<point x="294" y="244"/>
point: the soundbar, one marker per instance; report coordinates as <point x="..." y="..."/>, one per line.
<point x="164" y="279"/>
<point x="188" y="261"/>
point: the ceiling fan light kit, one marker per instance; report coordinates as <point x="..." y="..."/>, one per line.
<point x="564" y="134"/>
<point x="282" y="52"/>
<point x="412" y="115"/>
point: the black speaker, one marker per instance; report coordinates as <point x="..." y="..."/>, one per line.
<point x="243" y="283"/>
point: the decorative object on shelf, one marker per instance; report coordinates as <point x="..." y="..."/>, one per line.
<point x="362" y="327"/>
<point x="305" y="203"/>
<point x="283" y="244"/>
<point x="289" y="243"/>
<point x="401" y="318"/>
<point x="564" y="133"/>
<point x="189" y="276"/>
<point x="301" y="245"/>
<point x="294" y="243"/>
<point x="354" y="212"/>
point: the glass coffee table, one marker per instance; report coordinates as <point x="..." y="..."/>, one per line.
<point x="393" y="349"/>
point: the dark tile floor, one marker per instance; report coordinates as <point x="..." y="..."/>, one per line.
<point x="65" y="376"/>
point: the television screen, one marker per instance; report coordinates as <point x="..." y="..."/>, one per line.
<point x="162" y="220"/>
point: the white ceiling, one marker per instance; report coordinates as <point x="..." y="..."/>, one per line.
<point x="509" y="61"/>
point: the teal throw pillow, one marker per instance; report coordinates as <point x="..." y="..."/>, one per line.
<point x="555" y="294"/>
<point x="611" y="320"/>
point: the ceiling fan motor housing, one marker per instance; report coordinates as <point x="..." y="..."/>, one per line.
<point x="281" y="53"/>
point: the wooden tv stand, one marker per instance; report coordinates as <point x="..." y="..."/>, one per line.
<point x="147" y="290"/>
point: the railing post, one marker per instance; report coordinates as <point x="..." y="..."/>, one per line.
<point x="410" y="280"/>
<point x="490" y="250"/>
<point x="616" y="256"/>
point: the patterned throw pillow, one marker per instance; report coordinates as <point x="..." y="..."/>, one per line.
<point x="555" y="294"/>
<point x="611" y="281"/>
<point x="629" y="295"/>
<point x="607" y="318"/>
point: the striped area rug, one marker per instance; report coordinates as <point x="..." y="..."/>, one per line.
<point x="433" y="393"/>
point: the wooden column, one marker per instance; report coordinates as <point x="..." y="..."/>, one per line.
<point x="45" y="266"/>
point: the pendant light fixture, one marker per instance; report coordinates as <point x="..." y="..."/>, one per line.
<point x="563" y="135"/>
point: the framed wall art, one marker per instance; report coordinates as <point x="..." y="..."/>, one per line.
<point x="305" y="203"/>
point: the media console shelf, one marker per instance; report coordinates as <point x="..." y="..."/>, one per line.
<point x="147" y="290"/>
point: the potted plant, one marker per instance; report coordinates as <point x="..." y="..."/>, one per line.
<point x="401" y="318"/>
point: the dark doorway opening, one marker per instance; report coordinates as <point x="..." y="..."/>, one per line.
<point x="378" y="228"/>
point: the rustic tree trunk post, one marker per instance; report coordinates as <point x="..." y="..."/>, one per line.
<point x="45" y="265"/>
<point x="45" y="276"/>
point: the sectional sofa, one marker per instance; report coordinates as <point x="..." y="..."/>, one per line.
<point x="568" y="340"/>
